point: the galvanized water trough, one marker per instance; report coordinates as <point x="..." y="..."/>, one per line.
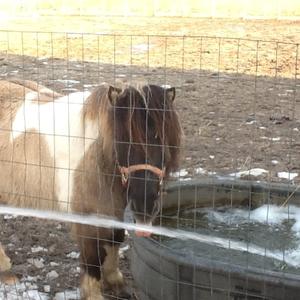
<point x="165" y="274"/>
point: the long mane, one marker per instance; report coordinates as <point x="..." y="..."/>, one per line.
<point x="127" y="117"/>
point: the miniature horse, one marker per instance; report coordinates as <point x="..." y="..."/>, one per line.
<point x="88" y="153"/>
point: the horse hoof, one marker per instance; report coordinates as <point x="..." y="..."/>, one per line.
<point x="119" y="293"/>
<point x="124" y="293"/>
<point x="8" y="278"/>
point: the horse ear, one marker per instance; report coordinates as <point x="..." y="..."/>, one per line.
<point x="171" y="93"/>
<point x="113" y="94"/>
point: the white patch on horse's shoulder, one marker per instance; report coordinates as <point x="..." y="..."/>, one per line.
<point x="68" y="137"/>
<point x="27" y="117"/>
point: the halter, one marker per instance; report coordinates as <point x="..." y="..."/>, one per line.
<point x="125" y="172"/>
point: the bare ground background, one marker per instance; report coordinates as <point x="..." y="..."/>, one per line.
<point x="237" y="96"/>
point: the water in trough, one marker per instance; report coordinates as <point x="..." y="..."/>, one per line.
<point x="266" y="238"/>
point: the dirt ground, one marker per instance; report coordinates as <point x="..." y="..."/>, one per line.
<point x="238" y="101"/>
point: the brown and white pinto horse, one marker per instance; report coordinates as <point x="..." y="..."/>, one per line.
<point x="88" y="153"/>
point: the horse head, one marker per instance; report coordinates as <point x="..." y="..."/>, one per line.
<point x="146" y="144"/>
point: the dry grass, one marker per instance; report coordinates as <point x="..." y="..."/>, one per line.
<point x="158" y="42"/>
<point x="187" y="8"/>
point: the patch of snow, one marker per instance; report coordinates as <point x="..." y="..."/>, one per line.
<point x="54" y="264"/>
<point x="276" y="139"/>
<point x="262" y="128"/>
<point x="74" y="255"/>
<point x="295" y="129"/>
<point x="20" y="291"/>
<point x="8" y="217"/>
<point x="30" y="278"/>
<point x="67" y="295"/>
<point x="274" y="162"/>
<point x="122" y="250"/>
<point x="31" y="286"/>
<point x="287" y="175"/>
<point x="200" y="171"/>
<point x="47" y="288"/>
<point x="35" y="295"/>
<point x="185" y="179"/>
<point x="270" y="214"/>
<point x="211" y="156"/>
<point x="252" y="172"/>
<point x="180" y="173"/>
<point x="37" y="249"/>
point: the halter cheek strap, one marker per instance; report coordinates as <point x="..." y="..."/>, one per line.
<point x="125" y="172"/>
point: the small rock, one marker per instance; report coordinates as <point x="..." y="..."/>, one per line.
<point x="52" y="275"/>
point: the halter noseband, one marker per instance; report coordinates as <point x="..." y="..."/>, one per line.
<point x="125" y="172"/>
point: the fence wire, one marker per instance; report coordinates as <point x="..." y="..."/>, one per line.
<point x="238" y="104"/>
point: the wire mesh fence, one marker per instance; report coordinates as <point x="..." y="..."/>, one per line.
<point x="232" y="206"/>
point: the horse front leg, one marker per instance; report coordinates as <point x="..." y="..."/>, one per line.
<point x="6" y="276"/>
<point x="92" y="255"/>
<point x="111" y="273"/>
